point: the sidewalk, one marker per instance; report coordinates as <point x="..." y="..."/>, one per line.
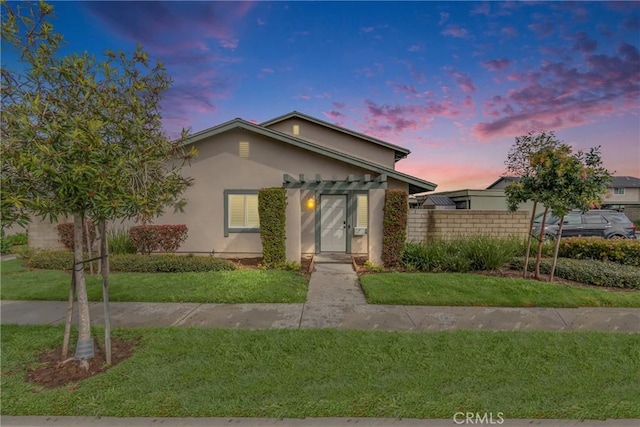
<point x="318" y="315"/>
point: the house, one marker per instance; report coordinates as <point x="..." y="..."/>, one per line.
<point x="623" y="194"/>
<point x="335" y="179"/>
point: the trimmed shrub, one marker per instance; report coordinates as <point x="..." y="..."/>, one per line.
<point x="157" y="238"/>
<point x="394" y="227"/>
<point x="488" y="253"/>
<point x="132" y="263"/>
<point x="65" y="234"/>
<point x="620" y="251"/>
<point x="119" y="242"/>
<point x="167" y="263"/>
<point x="272" y="205"/>
<point x="591" y="272"/>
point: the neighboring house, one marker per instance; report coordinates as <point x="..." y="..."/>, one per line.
<point x="478" y="200"/>
<point x="623" y="193"/>
<point x="335" y="180"/>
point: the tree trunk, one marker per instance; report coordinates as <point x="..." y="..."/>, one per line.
<point x="556" y="250"/>
<point x="104" y="268"/>
<point x="84" y="347"/>
<point x="528" y="250"/>
<point x="67" y="325"/>
<point x="536" y="271"/>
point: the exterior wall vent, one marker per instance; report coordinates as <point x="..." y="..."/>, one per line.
<point x="296" y="129"/>
<point x="243" y="149"/>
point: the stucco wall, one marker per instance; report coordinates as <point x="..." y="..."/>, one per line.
<point x="630" y="195"/>
<point x="338" y="141"/>
<point x="428" y="225"/>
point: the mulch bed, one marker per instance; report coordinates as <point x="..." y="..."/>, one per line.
<point x="54" y="372"/>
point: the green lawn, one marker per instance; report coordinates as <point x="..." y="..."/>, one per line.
<point x="318" y="373"/>
<point x="477" y="290"/>
<point x="240" y="286"/>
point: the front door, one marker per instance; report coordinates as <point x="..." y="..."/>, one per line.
<point x="333" y="223"/>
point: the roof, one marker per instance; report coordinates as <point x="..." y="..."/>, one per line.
<point x="616" y="181"/>
<point x="400" y="152"/>
<point x="625" y="182"/>
<point x="440" y="201"/>
<point x="416" y="185"/>
<point x="502" y="178"/>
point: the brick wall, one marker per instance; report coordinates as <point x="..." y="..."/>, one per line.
<point x="428" y="225"/>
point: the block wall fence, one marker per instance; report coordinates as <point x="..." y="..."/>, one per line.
<point x="425" y="225"/>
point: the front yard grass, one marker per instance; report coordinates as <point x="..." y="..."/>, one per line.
<point x="239" y="286"/>
<point x="459" y="289"/>
<point x="337" y="373"/>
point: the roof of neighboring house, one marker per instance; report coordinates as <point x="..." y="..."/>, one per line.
<point x="502" y="178"/>
<point x="625" y="182"/>
<point x="616" y="181"/>
<point x="440" y="201"/>
<point x="400" y="152"/>
<point x="416" y="185"/>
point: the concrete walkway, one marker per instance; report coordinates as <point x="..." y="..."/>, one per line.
<point x="316" y="315"/>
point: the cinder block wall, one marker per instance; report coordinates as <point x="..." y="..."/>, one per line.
<point x="43" y="235"/>
<point x="632" y="212"/>
<point x="428" y="225"/>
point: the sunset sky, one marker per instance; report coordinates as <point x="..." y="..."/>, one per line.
<point x="454" y="82"/>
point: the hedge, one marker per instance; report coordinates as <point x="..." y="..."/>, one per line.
<point x="128" y="263"/>
<point x="622" y="251"/>
<point x="65" y="234"/>
<point x="272" y="205"/>
<point x="591" y="272"/>
<point x="158" y="238"/>
<point x="394" y="227"/>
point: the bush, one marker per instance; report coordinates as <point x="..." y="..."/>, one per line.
<point x="65" y="234"/>
<point x="272" y="205"/>
<point x="119" y="243"/>
<point x="621" y="251"/>
<point x="157" y="238"/>
<point x="5" y="247"/>
<point x="133" y="263"/>
<point x="394" y="227"/>
<point x="597" y="273"/>
<point x="167" y="263"/>
<point x="461" y="255"/>
<point x="17" y="239"/>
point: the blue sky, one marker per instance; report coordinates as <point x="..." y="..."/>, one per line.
<point x="454" y="82"/>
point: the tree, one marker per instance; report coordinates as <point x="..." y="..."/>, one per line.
<point x="83" y="137"/>
<point x="561" y="180"/>
<point x="519" y="165"/>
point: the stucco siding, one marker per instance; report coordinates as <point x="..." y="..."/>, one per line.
<point x="630" y="195"/>
<point x="218" y="167"/>
<point x="338" y="141"/>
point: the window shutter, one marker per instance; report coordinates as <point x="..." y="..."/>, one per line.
<point x="236" y="210"/>
<point x="253" y="219"/>
<point x="362" y="220"/>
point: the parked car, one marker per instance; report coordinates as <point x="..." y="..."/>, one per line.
<point x="599" y="222"/>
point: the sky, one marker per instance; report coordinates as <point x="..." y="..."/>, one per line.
<point x="454" y="82"/>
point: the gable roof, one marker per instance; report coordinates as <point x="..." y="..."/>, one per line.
<point x="399" y="152"/>
<point x="616" y="181"/>
<point x="416" y="185"/>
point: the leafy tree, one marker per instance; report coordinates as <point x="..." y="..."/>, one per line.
<point x="519" y="165"/>
<point x="561" y="180"/>
<point x="82" y="137"/>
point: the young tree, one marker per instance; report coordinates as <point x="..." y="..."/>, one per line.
<point x="519" y="165"/>
<point x="82" y="137"/>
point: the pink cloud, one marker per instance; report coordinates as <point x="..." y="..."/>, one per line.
<point x="339" y="105"/>
<point x="455" y="31"/>
<point x="509" y="31"/>
<point x="464" y="82"/>
<point x="557" y="96"/>
<point x="444" y="17"/>
<point x="497" y="64"/>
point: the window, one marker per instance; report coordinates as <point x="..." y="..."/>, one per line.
<point x="362" y="211"/>
<point x="594" y="219"/>
<point x="241" y="211"/>
<point x="618" y="190"/>
<point x="573" y="219"/>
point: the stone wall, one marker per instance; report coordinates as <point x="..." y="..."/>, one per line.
<point x="428" y="225"/>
